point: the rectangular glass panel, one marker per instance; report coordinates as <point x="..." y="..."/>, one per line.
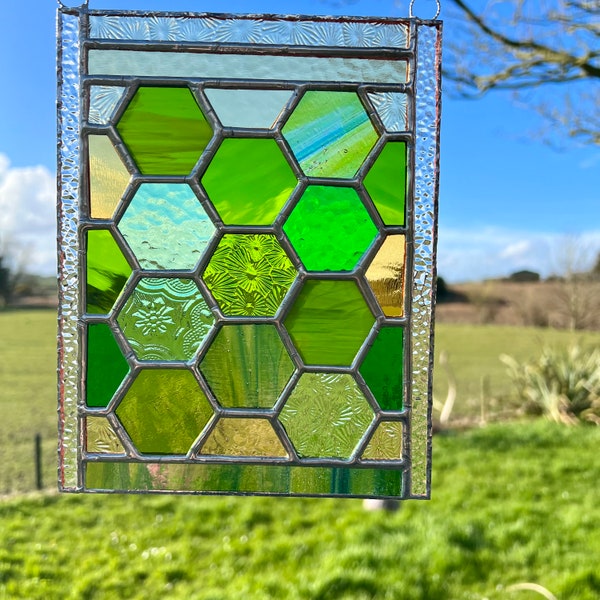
<point x="260" y="330"/>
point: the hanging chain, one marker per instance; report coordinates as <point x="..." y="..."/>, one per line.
<point x="413" y="16"/>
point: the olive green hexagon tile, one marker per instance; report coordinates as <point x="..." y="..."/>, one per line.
<point x="164" y="411"/>
<point x="101" y="438"/>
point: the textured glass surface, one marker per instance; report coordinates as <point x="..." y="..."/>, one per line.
<point x="248" y="181"/>
<point x="243" y="437"/>
<point x="386" y="275"/>
<point x="107" y="271"/>
<point x="248" y="108"/>
<point x="164" y="411"/>
<point x="426" y="185"/>
<point x="392" y="110"/>
<point x="258" y="321"/>
<point x="102" y="351"/>
<point x="249" y="30"/>
<point x="69" y="148"/>
<point x="166" y="226"/>
<point x="165" y="319"/>
<point x="386" y="183"/>
<point x="104" y="99"/>
<point x="164" y="130"/>
<point x="108" y="177"/>
<point x="330" y="228"/>
<point x="101" y="437"/>
<point x="249" y="275"/>
<point x="330" y="134"/>
<point x="140" y="63"/>
<point x="329" y="321"/>
<point x="386" y="443"/>
<point x="383" y="366"/>
<point x="256" y="363"/>
<point x="326" y="415"/>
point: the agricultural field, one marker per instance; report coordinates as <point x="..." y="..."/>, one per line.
<point x="514" y="505"/>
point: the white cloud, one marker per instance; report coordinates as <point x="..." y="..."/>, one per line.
<point x="28" y="216"/>
<point x="468" y="254"/>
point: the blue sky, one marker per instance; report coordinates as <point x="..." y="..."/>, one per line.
<point x="507" y="201"/>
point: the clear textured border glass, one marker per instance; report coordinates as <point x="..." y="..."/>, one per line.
<point x="417" y="41"/>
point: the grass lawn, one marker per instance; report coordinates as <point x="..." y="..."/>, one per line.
<point x="512" y="503"/>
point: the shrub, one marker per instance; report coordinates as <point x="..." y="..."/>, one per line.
<point x="562" y="384"/>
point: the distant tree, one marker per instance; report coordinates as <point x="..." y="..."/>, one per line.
<point x="533" y="48"/>
<point x="5" y="287"/>
<point x="524" y="276"/>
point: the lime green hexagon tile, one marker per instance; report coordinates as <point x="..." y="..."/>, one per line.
<point x="244" y="437"/>
<point x="165" y="319"/>
<point x="107" y="271"/>
<point x="386" y="183"/>
<point x="330" y="134"/>
<point x="164" y="130"/>
<point x="326" y="415"/>
<point x="248" y="181"/>
<point x="166" y="226"/>
<point x="330" y="228"/>
<point x="164" y="411"/>
<point x="255" y="361"/>
<point x="383" y="366"/>
<point x="249" y="275"/>
<point x="385" y="275"/>
<point x="103" y="350"/>
<point x="329" y="321"/>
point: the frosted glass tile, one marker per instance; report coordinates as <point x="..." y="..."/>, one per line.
<point x="104" y="99"/>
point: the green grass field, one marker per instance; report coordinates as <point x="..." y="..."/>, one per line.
<point x="512" y="503"/>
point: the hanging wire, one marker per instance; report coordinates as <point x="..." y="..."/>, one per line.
<point x="83" y="4"/>
<point x="437" y="12"/>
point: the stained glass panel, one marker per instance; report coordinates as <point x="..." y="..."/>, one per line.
<point x="247" y="253"/>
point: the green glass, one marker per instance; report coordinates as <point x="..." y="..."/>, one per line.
<point x="383" y="366"/>
<point x="164" y="130"/>
<point x="386" y="183"/>
<point x="249" y="275"/>
<point x="166" y="226"/>
<point x="107" y="271"/>
<point x="330" y="228"/>
<point x="244" y="437"/>
<point x="330" y="134"/>
<point x="101" y="438"/>
<point x="248" y="108"/>
<point x="165" y="319"/>
<point x="249" y="181"/>
<point x="386" y="443"/>
<point x="106" y="366"/>
<point x="329" y="322"/>
<point x="326" y="415"/>
<point x="247" y="366"/>
<point x="386" y="275"/>
<point x="243" y="478"/>
<point x="164" y="411"/>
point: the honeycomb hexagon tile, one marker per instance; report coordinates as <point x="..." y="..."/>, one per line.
<point x="248" y="181"/>
<point x="164" y="411"/>
<point x="330" y="228"/>
<point x="107" y="271"/>
<point x="326" y="415"/>
<point x="256" y="363"/>
<point x="166" y="226"/>
<point x="329" y="321"/>
<point x="165" y="319"/>
<point x="249" y="274"/>
<point x="164" y="130"/>
<point x="330" y="134"/>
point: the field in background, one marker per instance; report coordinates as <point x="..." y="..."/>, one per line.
<point x="512" y="503"/>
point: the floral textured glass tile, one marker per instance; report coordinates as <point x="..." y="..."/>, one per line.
<point x="247" y="226"/>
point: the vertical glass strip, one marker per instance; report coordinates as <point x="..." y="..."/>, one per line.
<point x="68" y="208"/>
<point x="427" y="117"/>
